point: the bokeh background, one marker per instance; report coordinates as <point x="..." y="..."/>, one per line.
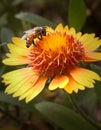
<point x="16" y="16"/>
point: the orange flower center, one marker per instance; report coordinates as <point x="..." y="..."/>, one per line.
<point x="56" y="54"/>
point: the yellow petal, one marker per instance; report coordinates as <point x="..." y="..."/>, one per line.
<point x="78" y="35"/>
<point x="86" y="38"/>
<point x="15" y="60"/>
<point x="18" y="53"/>
<point x="71" y="31"/>
<point x="18" y="50"/>
<point x="14" y="75"/>
<point x="59" y="27"/>
<point x="58" y="82"/>
<point x="66" y="29"/>
<point x="84" y="76"/>
<point x="49" y="30"/>
<point x="92" y="56"/>
<point x="25" y="85"/>
<point x="20" y="79"/>
<point x="92" y="44"/>
<point x="19" y="42"/>
<point x="73" y="86"/>
<point x="34" y="90"/>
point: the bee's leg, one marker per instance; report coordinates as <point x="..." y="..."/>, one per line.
<point x="27" y="44"/>
<point x="40" y="37"/>
<point x="33" y="43"/>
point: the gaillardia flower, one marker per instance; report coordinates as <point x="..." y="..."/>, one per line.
<point x="57" y="57"/>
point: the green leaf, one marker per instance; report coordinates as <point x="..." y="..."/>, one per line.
<point x="6" y="34"/>
<point x="34" y="19"/>
<point x="77" y="14"/>
<point x="3" y="20"/>
<point x="17" y="2"/>
<point x="62" y="117"/>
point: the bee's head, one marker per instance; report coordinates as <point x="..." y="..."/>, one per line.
<point x="43" y="31"/>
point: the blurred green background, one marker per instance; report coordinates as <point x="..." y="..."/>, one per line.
<point x="50" y="110"/>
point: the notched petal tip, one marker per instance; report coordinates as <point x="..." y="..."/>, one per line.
<point x="49" y="30"/>
<point x="85" y="77"/>
<point x="73" y="86"/>
<point x="72" y="31"/>
<point x="58" y="82"/>
<point x="59" y="27"/>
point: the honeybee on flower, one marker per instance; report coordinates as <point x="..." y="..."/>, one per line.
<point x="30" y="35"/>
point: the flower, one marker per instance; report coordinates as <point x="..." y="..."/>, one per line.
<point x="58" y="57"/>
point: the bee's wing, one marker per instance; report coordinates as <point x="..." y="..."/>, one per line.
<point x="24" y="36"/>
<point x="27" y="31"/>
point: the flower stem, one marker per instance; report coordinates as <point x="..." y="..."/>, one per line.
<point x="83" y="114"/>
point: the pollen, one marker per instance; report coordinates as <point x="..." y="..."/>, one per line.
<point x="56" y="54"/>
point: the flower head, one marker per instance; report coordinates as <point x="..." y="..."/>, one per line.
<point x="57" y="56"/>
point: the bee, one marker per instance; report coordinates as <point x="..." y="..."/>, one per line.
<point x="30" y="35"/>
